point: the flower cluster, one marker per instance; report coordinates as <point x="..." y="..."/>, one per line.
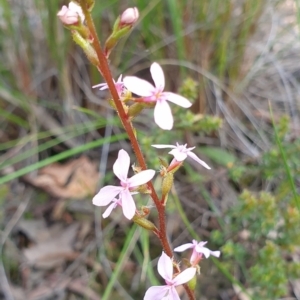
<point x="152" y="96"/>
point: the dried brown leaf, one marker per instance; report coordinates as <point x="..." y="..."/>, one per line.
<point x="76" y="179"/>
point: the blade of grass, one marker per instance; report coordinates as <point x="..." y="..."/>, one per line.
<point x="40" y="135"/>
<point x="285" y="161"/>
<point x="143" y="259"/>
<point x="176" y="19"/>
<point x="298" y="11"/>
<point x="60" y="156"/>
<point x="12" y="118"/>
<point x="144" y="238"/>
<point x="129" y="244"/>
<point x="50" y="144"/>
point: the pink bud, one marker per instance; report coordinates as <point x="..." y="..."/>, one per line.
<point x="129" y="16"/>
<point x="71" y="15"/>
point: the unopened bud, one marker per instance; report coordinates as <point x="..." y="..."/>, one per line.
<point x="86" y="47"/>
<point x="112" y="103"/>
<point x="143" y="189"/>
<point x="71" y="15"/>
<point x="144" y="223"/>
<point x="122" y="26"/>
<point x="135" y="109"/>
<point x="129" y="17"/>
<point x="167" y="184"/>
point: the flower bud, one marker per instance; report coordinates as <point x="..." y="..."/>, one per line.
<point x="135" y="109"/>
<point x="129" y="17"/>
<point x="167" y="184"/>
<point x="71" y="15"/>
<point x="86" y="47"/>
<point x="145" y="223"/>
<point x="122" y="26"/>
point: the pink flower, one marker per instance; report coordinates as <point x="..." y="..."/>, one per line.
<point x="198" y="250"/>
<point x="108" y="193"/>
<point x="71" y="15"/>
<point x="162" y="111"/>
<point x="181" y="152"/>
<point x="165" y="269"/>
<point x="119" y="86"/>
<point x="129" y="16"/>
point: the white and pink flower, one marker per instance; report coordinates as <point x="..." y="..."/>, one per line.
<point x="168" y="291"/>
<point x="198" y="251"/>
<point x="127" y="185"/>
<point x="162" y="111"/>
<point x="181" y="152"/>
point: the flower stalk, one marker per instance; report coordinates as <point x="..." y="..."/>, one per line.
<point x="77" y="18"/>
<point x="105" y="72"/>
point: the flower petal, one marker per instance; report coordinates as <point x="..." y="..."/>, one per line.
<point x="101" y="85"/>
<point x="163" y="146"/>
<point x="173" y="295"/>
<point x="76" y="8"/>
<point x="141" y="178"/>
<point x="138" y="86"/>
<point x="203" y="250"/>
<point x="179" y="156"/>
<point x="183" y="247"/>
<point x="109" y="209"/>
<point x="177" y="99"/>
<point x="158" y="76"/>
<point x="165" y="267"/>
<point x="195" y="255"/>
<point x="184" y="276"/>
<point x="215" y="253"/>
<point x="156" y="292"/>
<point x="106" y="195"/>
<point x="128" y="204"/>
<point x="163" y="115"/>
<point x="198" y="160"/>
<point x="121" y="166"/>
<point x="104" y="87"/>
<point x="119" y="79"/>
